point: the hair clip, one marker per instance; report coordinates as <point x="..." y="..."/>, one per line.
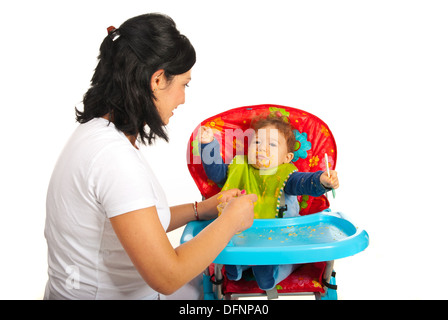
<point x="113" y="33"/>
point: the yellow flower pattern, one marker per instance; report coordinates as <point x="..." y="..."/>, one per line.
<point x="314" y="161"/>
<point x="324" y="130"/>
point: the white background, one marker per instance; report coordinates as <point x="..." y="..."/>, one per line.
<point x="375" y="71"/>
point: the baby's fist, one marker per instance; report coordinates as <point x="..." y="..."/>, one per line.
<point x="206" y="134"/>
<point x="330" y="182"/>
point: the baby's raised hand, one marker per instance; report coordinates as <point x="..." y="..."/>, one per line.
<point x="330" y="182"/>
<point x="206" y="134"/>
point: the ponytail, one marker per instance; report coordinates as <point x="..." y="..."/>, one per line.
<point x="128" y="57"/>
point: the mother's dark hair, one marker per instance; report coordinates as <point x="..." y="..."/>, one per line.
<point x="121" y="84"/>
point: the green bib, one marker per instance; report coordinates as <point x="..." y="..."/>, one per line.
<point x="267" y="184"/>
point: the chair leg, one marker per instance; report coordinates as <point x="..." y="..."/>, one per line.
<point x="272" y="294"/>
<point x="207" y="286"/>
<point x="329" y="277"/>
<point x="218" y="279"/>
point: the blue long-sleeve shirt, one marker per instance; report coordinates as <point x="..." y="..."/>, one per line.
<point x="299" y="183"/>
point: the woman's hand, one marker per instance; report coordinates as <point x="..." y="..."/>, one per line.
<point x="239" y="207"/>
<point x="241" y="211"/>
<point x="227" y="195"/>
<point x="208" y="210"/>
<point x="330" y="182"/>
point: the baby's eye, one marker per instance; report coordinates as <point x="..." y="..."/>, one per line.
<point x="272" y="144"/>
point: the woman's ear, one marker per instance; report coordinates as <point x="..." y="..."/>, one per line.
<point x="157" y="80"/>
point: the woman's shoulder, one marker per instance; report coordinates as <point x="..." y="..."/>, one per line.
<point x="99" y="138"/>
<point x="100" y="132"/>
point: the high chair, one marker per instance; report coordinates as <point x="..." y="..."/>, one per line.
<point x="314" y="239"/>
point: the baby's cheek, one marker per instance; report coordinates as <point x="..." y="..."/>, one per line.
<point x="251" y="156"/>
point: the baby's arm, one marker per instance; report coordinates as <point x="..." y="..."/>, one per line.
<point x="215" y="170"/>
<point x="310" y="183"/>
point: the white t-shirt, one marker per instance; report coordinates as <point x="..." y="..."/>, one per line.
<point x="99" y="175"/>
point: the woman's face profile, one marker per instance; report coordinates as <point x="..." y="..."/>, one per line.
<point x="169" y="95"/>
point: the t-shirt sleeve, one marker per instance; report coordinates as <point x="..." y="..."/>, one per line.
<point x="121" y="182"/>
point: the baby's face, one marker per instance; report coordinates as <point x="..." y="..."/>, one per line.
<point x="267" y="149"/>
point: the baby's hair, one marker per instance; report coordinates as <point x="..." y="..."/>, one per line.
<point x="281" y="123"/>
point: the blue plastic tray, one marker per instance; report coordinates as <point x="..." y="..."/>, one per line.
<point x="312" y="238"/>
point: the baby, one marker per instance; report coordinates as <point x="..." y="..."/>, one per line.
<point x="267" y="172"/>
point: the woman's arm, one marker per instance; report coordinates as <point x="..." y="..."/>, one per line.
<point x="181" y="215"/>
<point x="184" y="213"/>
<point x="166" y="269"/>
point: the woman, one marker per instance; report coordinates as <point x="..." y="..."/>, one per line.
<point x="107" y="216"/>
